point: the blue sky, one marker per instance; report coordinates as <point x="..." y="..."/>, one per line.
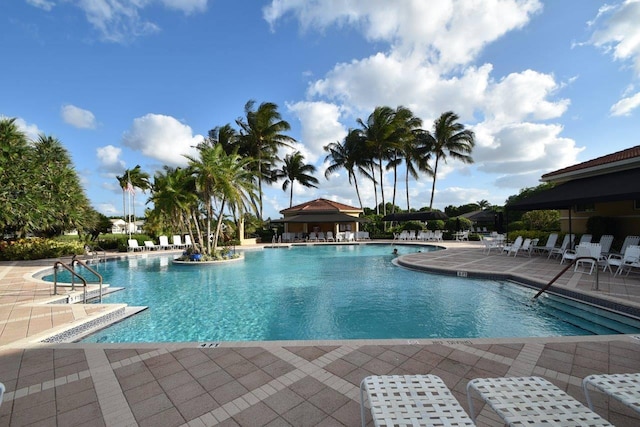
<point x="543" y="84"/>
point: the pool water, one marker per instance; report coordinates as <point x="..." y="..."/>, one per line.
<point x="325" y="292"/>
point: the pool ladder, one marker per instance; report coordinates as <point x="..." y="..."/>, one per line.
<point x="572" y="263"/>
<point x="74" y="275"/>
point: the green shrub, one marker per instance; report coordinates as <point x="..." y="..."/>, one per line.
<point x="38" y="248"/>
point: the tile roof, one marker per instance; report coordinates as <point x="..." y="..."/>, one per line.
<point x="609" y="159"/>
<point x="320" y="205"/>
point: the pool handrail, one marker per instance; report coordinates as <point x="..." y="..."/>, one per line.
<point x="557" y="276"/>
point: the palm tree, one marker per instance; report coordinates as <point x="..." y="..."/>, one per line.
<point x="129" y="181"/>
<point x="379" y="134"/>
<point x="452" y="139"/>
<point x="261" y="134"/>
<point x="483" y="204"/>
<point x="226" y="178"/>
<point x="349" y="155"/>
<point x="294" y="169"/>
<point x="406" y="126"/>
<point x="226" y="136"/>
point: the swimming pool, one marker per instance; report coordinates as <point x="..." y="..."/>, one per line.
<point x="326" y="292"/>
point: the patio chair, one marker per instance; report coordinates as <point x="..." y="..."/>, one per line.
<point x="132" y="246"/>
<point x="330" y="237"/>
<point x="489" y="243"/>
<point x="177" y="241"/>
<point x="321" y="237"/>
<point x="513" y="247"/>
<point x="563" y="247"/>
<point x="411" y="400"/>
<point x="548" y="246"/>
<point x="585" y="238"/>
<point x="623" y="387"/>
<point x="616" y="259"/>
<point x="164" y="243"/>
<point x="150" y="246"/>
<point x="312" y="237"/>
<point x="587" y="250"/>
<point x="187" y="241"/>
<point x="531" y="401"/>
<point x="630" y="260"/>
<point x="526" y="247"/>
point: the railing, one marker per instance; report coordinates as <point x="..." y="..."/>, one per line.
<point x="75" y="261"/>
<point x="94" y="250"/>
<point x="572" y="263"/>
<point x="73" y="274"/>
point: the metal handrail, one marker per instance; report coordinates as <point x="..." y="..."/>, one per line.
<point x="73" y="274"/>
<point x="548" y="285"/>
<point x="75" y="261"/>
<point x="94" y="250"/>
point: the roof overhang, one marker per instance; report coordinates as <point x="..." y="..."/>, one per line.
<point x="320" y="218"/>
<point x="624" y="185"/>
<point x="415" y="216"/>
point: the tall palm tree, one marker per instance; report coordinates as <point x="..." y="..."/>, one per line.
<point x="261" y="134"/>
<point x="450" y="138"/>
<point x="379" y="134"/>
<point x="406" y="125"/>
<point x="129" y="181"/>
<point x="348" y="154"/>
<point x="294" y="169"/>
<point x="226" y="136"/>
<point x="483" y="204"/>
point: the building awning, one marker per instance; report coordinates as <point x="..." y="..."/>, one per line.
<point x="624" y="185"/>
<point x="319" y="218"/>
<point x="415" y="216"/>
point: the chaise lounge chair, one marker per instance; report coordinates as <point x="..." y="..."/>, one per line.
<point x="164" y="243"/>
<point x="623" y="387"/>
<point x="531" y="401"/>
<point x="411" y="400"/>
<point x="150" y="246"/>
<point x="132" y="246"/>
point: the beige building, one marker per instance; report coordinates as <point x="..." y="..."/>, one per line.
<point x="608" y="186"/>
<point x="321" y="215"/>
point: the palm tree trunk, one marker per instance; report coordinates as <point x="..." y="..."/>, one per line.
<point x="433" y="186"/>
<point x="395" y="184"/>
<point x="375" y="188"/>
<point x="406" y="184"/>
<point x="291" y="195"/>
<point x="194" y="217"/>
<point x="355" y="181"/>
<point x="384" y="206"/>
<point x="216" y="235"/>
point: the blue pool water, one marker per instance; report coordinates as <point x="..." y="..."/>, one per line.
<point x="323" y="292"/>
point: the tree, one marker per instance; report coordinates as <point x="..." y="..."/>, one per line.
<point x="348" y="154"/>
<point x="261" y="134"/>
<point x="294" y="169"/>
<point x="225" y="178"/>
<point x="483" y="204"/>
<point x="129" y="181"/>
<point x="450" y="138"/>
<point x="379" y="134"/>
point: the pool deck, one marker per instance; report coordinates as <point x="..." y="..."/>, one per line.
<point x="281" y="383"/>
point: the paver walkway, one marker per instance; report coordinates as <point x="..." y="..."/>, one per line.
<point x="278" y="383"/>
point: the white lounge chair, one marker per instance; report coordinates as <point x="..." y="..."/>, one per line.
<point x="330" y="237"/>
<point x="563" y="247"/>
<point x="591" y="250"/>
<point x="549" y="245"/>
<point x="616" y="259"/>
<point x="164" y="243"/>
<point x="132" y="246"/>
<point x="513" y="248"/>
<point x="312" y="237"/>
<point x="321" y="237"/>
<point x="489" y="243"/>
<point x="623" y="387"/>
<point x="526" y="248"/>
<point x="411" y="400"/>
<point x="177" y="242"/>
<point x="150" y="246"/>
<point x="585" y="238"/>
<point x="187" y="241"/>
<point x="630" y="260"/>
<point x="530" y="401"/>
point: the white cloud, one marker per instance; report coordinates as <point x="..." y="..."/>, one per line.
<point x="186" y="6"/>
<point x="30" y="130"/>
<point x="107" y="209"/>
<point x="109" y="159"/>
<point x="77" y="117"/>
<point x="162" y="138"/>
<point x="42" y="4"/>
<point x="320" y="126"/>
<point x="625" y="106"/>
<point x="119" y="21"/>
<point x="620" y="33"/>
<point x="448" y="33"/>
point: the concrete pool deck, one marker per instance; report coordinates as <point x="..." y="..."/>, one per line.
<point x="279" y="383"/>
